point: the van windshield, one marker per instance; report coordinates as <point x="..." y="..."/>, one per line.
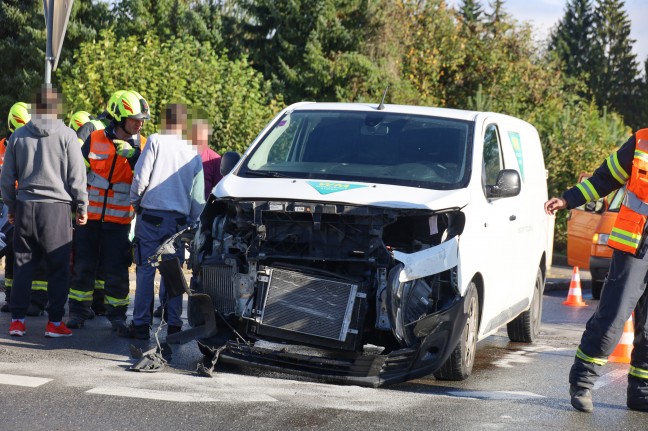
<point x="377" y="147"/>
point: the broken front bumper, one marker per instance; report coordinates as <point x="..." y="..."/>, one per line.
<point x="440" y="334"/>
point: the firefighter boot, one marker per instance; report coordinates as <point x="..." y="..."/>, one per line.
<point x="637" y="394"/>
<point x="581" y="398"/>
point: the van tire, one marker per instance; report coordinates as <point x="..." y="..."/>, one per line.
<point x="597" y="287"/>
<point x="526" y="327"/>
<point x="460" y="363"/>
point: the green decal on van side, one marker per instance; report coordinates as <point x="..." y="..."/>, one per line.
<point x="326" y="187"/>
<point x="517" y="147"/>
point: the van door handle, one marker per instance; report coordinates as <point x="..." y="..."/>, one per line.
<point x="512" y="217"/>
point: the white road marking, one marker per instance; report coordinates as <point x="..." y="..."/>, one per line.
<point x="30" y="382"/>
<point x="495" y="395"/>
<point x="524" y="355"/>
<point x="182" y="397"/>
<point x="610" y="377"/>
<point x="123" y="391"/>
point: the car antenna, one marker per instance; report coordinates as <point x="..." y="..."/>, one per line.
<point x="382" y="102"/>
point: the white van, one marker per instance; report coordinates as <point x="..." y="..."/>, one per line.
<point x="370" y="245"/>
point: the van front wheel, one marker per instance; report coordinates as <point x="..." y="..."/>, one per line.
<point x="460" y="363"/>
<point x="525" y="327"/>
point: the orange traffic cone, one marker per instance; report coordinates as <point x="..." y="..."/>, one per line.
<point x="575" y="295"/>
<point x="624" y="348"/>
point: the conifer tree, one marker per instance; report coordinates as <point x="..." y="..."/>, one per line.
<point x="471" y="11"/>
<point x="572" y="38"/>
<point x="498" y="20"/>
<point x="613" y="67"/>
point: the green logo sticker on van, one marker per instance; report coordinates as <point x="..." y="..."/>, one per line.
<point x="517" y="147"/>
<point x="326" y="187"/>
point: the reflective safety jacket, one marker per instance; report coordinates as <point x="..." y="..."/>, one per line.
<point x="629" y="226"/>
<point x="109" y="181"/>
<point x="3" y="149"/>
<point x="629" y="165"/>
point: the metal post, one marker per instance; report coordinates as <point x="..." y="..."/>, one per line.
<point x="49" y="58"/>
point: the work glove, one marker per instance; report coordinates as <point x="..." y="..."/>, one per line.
<point x="123" y="148"/>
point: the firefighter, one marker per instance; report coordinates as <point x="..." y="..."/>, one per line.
<point x="101" y="122"/>
<point x="83" y="123"/>
<point x="18" y="117"/>
<point x="102" y="245"/>
<point x="624" y="290"/>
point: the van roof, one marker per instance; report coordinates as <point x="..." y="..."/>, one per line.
<point x="458" y="114"/>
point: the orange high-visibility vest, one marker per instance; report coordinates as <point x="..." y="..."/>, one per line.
<point x="629" y="226"/>
<point x="109" y="182"/>
<point x="3" y="149"/>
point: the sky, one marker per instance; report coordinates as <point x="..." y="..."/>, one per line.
<point x="543" y="15"/>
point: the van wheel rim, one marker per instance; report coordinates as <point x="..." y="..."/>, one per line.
<point x="536" y="309"/>
<point x="471" y="331"/>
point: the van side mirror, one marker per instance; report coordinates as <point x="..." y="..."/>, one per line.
<point x="506" y="186"/>
<point x="228" y="161"/>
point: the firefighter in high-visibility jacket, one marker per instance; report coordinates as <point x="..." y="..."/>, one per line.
<point x="103" y="245"/>
<point x="83" y="123"/>
<point x="624" y="290"/>
<point x="18" y="117"/>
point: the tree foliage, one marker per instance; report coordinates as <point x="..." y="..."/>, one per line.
<point x="166" y="19"/>
<point x="234" y="96"/>
<point x="614" y="70"/>
<point x="571" y="40"/>
<point x="593" y="42"/>
<point x="311" y="49"/>
<point x="22" y="45"/>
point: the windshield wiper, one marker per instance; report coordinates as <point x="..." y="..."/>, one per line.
<point x="267" y="174"/>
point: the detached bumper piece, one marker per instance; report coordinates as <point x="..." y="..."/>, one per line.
<point x="363" y="370"/>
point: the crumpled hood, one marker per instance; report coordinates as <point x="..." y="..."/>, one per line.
<point x="349" y="192"/>
<point x="42" y="127"/>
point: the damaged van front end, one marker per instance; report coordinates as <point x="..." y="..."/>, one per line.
<point x="345" y="293"/>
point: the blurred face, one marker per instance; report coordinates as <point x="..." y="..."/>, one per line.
<point x="200" y="134"/>
<point x="133" y="126"/>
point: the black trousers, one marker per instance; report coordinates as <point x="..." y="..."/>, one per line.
<point x="101" y="248"/>
<point x="624" y="292"/>
<point x="43" y="231"/>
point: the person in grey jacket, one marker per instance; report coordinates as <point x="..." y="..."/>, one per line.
<point x="44" y="159"/>
<point x="167" y="193"/>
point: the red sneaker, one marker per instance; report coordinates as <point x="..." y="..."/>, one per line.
<point x="17" y="329"/>
<point x="57" y="331"/>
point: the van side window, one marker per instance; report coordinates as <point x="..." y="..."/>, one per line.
<point x="492" y="157"/>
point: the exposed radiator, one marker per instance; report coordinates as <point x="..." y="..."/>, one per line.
<point x="308" y="305"/>
<point x="218" y="283"/>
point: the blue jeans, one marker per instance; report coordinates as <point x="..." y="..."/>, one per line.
<point x="152" y="228"/>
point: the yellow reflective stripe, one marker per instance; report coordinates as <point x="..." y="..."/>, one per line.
<point x="117" y="302"/>
<point x="588" y="191"/>
<point x="39" y="285"/>
<point x="87" y="163"/>
<point x="80" y="296"/>
<point x="99" y="284"/>
<point x="624" y="237"/>
<point x="638" y="372"/>
<point x="616" y="170"/>
<point x="641" y="155"/>
<point x="583" y="357"/>
<point x="8" y="282"/>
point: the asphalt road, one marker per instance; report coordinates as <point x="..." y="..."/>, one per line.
<point x="82" y="383"/>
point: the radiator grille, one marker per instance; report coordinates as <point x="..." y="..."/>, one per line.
<point x="309" y="305"/>
<point x="218" y="283"/>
